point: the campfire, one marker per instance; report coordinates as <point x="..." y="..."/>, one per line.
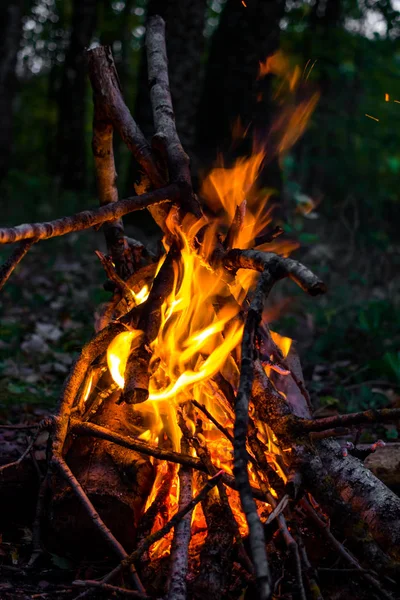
<point x="185" y="430"/>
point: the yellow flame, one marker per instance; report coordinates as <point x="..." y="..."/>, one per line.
<point x="284" y="343"/>
<point x="142" y="295"/>
<point x="118" y="354"/>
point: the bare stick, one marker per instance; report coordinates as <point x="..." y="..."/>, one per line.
<point x="256" y="531"/>
<point x="107" y="91"/>
<point x="341" y="550"/>
<point x="157" y="535"/>
<point x="213" y="420"/>
<point x="14" y="260"/>
<point x="334" y="432"/>
<point x="236" y="226"/>
<point x="111" y="589"/>
<point x="106" y="176"/>
<point x="294" y="550"/>
<point x="204" y="454"/>
<point x="368" y="416"/>
<point x="105" y="532"/>
<point x="182" y="532"/>
<point x="44" y="424"/>
<point x="134" y="444"/>
<point x="163" y="113"/>
<point x="36" y="526"/>
<point x="111" y="272"/>
<point x="87" y="218"/>
<point x="310" y="572"/>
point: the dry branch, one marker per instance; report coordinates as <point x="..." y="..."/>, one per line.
<point x="372" y="415"/>
<point x="157" y="535"/>
<point x="278" y="266"/>
<point x="106" y="176"/>
<point x="163" y="114"/>
<point x="87" y="218"/>
<point x="14" y="260"/>
<point x="97" y="346"/>
<point x="107" y="91"/>
<point x="182" y="533"/>
<point x="341" y="550"/>
<point x="112" y="590"/>
<point x="256" y="532"/>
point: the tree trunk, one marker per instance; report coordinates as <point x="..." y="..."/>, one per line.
<point x="71" y="145"/>
<point x="10" y="35"/>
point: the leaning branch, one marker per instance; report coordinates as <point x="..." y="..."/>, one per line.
<point x="163" y="114"/>
<point x="107" y="91"/>
<point x="14" y="260"/>
<point x="367" y="416"/>
<point x="256" y="532"/>
<point x="87" y="218"/>
<point x="105" y="532"/>
<point x="106" y="87"/>
<point x="278" y="266"/>
<point x="173" y="522"/>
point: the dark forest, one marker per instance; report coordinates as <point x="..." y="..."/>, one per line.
<point x="199" y="317"/>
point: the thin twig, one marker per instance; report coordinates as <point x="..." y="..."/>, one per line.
<point x="110" y="589"/>
<point x="107" y="91"/>
<point x="213" y="420"/>
<point x="45" y="424"/>
<point x="341" y="550"/>
<point x="368" y="416"/>
<point x="14" y="260"/>
<point x="294" y="551"/>
<point x="309" y="571"/>
<point x="256" y="530"/>
<point x="36" y="526"/>
<point x="333" y="432"/>
<point x="157" y="535"/>
<point x="163" y="114"/>
<point x="105" y="532"/>
<point x="182" y="533"/>
<point x="106" y="177"/>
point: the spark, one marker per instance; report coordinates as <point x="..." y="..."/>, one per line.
<point x="244" y="3"/>
<point x="311" y="68"/>
<point x="305" y="68"/>
<point x="371" y="117"/>
<point x="386" y="97"/>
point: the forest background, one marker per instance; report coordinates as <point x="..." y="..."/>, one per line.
<point x="337" y="191"/>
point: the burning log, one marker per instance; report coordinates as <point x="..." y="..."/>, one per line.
<point x="189" y="332"/>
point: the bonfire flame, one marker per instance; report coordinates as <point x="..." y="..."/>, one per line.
<point x="201" y="326"/>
